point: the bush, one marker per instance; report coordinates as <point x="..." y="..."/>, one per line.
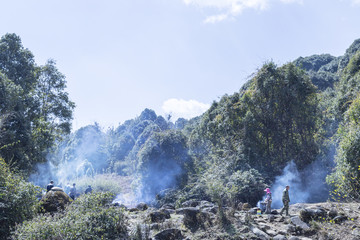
<point x="99" y="183"/>
<point x="17" y="200"/>
<point x="91" y="216"/>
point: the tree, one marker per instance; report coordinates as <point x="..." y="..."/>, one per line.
<point x="35" y="110"/>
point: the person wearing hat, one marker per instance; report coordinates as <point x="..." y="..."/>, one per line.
<point x="268" y="201"/>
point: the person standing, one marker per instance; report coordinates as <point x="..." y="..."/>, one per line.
<point x="268" y="201"/>
<point x="72" y="192"/>
<point x="286" y="201"/>
<point x="50" y="186"/>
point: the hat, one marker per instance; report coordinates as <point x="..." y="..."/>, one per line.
<point x="267" y="190"/>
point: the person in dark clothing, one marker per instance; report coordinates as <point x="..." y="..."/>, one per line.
<point x="286" y="201"/>
<point x="50" y="186"/>
<point x="88" y="190"/>
<point x="72" y="192"/>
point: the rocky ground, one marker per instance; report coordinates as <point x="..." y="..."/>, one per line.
<point x="202" y="220"/>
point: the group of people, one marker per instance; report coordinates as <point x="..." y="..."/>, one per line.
<point x="285" y="199"/>
<point x="70" y="190"/>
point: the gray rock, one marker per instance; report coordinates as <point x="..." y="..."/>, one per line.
<point x="271" y="233"/>
<point x="298" y="223"/>
<point x="191" y="217"/>
<point x="190" y="203"/>
<point x="270" y="217"/>
<point x="340" y="219"/>
<point x="168" y="206"/>
<point x="169" y="234"/>
<point x="294" y="238"/>
<point x="260" y="234"/>
<point x="159" y="216"/>
<point x="290" y="228"/>
<point x="333" y="213"/>
<point x="142" y="206"/>
<point x="280" y="237"/>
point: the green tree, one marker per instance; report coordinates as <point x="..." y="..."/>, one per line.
<point x="36" y="110"/>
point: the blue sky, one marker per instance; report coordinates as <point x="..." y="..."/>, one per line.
<point x="122" y="56"/>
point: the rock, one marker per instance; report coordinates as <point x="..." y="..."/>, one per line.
<point x="294" y="238"/>
<point x="191" y="217"/>
<point x="206" y="204"/>
<point x="274" y="212"/>
<point x="168" y="206"/>
<point x="213" y="209"/>
<point x="260" y="234"/>
<point x="332" y="213"/>
<point x="264" y="227"/>
<point x="340" y="219"/>
<point x="159" y="216"/>
<point x="290" y="228"/>
<point x="271" y="233"/>
<point x="270" y="217"/>
<point x="155" y="226"/>
<point x="253" y="211"/>
<point x="298" y="223"/>
<point x="280" y="237"/>
<point x="57" y="189"/>
<point x="190" y="203"/>
<point x="142" y="206"/>
<point x="309" y="214"/>
<point x="246" y="206"/>
<point x="133" y="210"/>
<point x="169" y="234"/>
<point x="55" y="200"/>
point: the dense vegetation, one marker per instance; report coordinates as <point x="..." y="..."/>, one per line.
<point x="303" y="112"/>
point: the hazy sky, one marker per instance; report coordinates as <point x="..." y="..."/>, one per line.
<point x="122" y="56"/>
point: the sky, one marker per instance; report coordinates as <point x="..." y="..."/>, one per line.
<point x="173" y="56"/>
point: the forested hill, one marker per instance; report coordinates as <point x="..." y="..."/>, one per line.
<point x="302" y="116"/>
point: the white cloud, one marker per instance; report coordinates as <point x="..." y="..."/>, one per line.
<point x="232" y="8"/>
<point x="356" y="2"/>
<point x="179" y="108"/>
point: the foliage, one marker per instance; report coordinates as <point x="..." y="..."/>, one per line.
<point x="89" y="217"/>
<point x="163" y="162"/>
<point x="18" y="200"/>
<point x="36" y="110"/>
<point x="99" y="183"/>
<point x="346" y="176"/>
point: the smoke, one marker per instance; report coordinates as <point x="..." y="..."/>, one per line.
<point x="75" y="158"/>
<point x="307" y="185"/>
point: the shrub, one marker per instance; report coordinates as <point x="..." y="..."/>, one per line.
<point x="99" y="183"/>
<point x="91" y="216"/>
<point x="18" y="200"/>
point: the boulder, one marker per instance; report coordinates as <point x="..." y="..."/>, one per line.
<point x="340" y="219"/>
<point x="54" y="200"/>
<point x="280" y="237"/>
<point x="169" y="234"/>
<point x="159" y="216"/>
<point x="260" y="234"/>
<point x="191" y="217"/>
<point x="142" y="206"/>
<point x="190" y="203"/>
<point x="246" y="206"/>
<point x="168" y="206"/>
<point x="309" y="214"/>
<point x="299" y="224"/>
<point x="333" y="213"/>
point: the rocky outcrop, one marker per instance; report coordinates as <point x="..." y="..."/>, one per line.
<point x="54" y="200"/>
